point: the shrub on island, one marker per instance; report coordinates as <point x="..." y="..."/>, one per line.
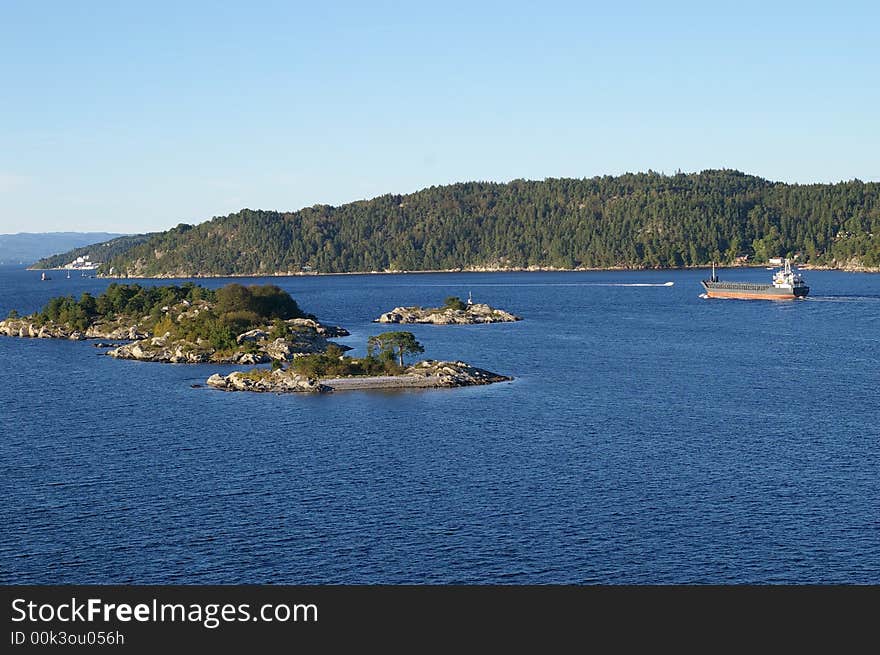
<point x="218" y="315"/>
<point x="385" y="356"/>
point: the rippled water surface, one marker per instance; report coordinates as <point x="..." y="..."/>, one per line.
<point x="650" y="436"/>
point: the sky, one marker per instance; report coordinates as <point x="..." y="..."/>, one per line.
<point x="134" y="117"/>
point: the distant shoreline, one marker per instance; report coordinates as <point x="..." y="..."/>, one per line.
<point x="479" y="269"/>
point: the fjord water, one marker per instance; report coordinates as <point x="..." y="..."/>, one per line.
<point x="650" y="436"/>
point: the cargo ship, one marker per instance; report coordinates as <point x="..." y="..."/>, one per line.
<point x="786" y="285"/>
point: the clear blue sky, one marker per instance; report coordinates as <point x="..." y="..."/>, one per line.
<point x="126" y="116"/>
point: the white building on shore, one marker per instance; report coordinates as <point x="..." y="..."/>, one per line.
<point x="83" y="263"/>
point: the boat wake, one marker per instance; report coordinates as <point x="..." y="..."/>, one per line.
<point x="611" y="284"/>
<point x="842" y="298"/>
<point x="552" y="284"/>
<point x="630" y="284"/>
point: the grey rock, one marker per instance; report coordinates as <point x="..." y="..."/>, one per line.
<point x="264" y="381"/>
<point x="324" y="330"/>
<point x="253" y="358"/>
<point x="252" y="335"/>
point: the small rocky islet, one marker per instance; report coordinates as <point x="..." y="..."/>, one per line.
<point x="453" y="312"/>
<point x="427" y="374"/>
<point x="244" y="325"/>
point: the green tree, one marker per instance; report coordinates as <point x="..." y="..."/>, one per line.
<point x="394" y="344"/>
<point x="733" y="250"/>
<point x="454" y="302"/>
<point x="220" y="336"/>
<point x="266" y="301"/>
<point x="233" y="298"/>
<point x="89" y="305"/>
<point x="279" y="330"/>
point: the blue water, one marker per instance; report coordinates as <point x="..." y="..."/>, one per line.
<point x="650" y="436"/>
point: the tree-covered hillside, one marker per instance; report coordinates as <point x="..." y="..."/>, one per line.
<point x="633" y="220"/>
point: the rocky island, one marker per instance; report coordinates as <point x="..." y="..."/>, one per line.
<point x="427" y="374"/>
<point x="243" y="325"/>
<point x="453" y="312"/>
<point x="184" y="324"/>
<point x="382" y="368"/>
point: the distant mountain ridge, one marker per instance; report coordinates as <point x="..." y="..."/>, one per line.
<point x="28" y="247"/>
<point x="641" y="220"/>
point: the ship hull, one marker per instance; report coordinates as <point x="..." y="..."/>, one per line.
<point x="746" y="291"/>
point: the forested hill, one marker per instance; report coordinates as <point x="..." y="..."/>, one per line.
<point x="633" y="220"/>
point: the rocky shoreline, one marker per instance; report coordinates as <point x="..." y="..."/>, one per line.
<point x="305" y="336"/>
<point x="428" y="374"/>
<point x="473" y="313"/>
<point x="846" y="267"/>
<point x="28" y="328"/>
